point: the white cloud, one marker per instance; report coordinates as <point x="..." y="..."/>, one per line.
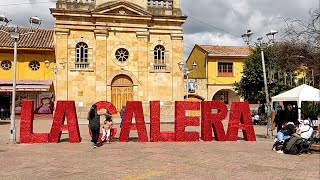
<point x="234" y="16"/>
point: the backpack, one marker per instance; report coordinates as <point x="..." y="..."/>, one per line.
<point x="293" y="146"/>
<point x="278" y="146"/>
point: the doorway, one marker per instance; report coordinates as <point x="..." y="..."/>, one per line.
<point x="5" y="104"/>
<point x="121" y="91"/>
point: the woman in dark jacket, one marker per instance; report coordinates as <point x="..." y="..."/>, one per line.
<point x="94" y="124"/>
<point x="287" y="131"/>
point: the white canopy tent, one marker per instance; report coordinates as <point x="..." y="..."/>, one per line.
<point x="299" y="94"/>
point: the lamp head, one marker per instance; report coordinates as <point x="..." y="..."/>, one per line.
<point x="181" y="64"/>
<point x="260" y="40"/>
<point x="47" y="63"/>
<point x="272" y="32"/>
<point x="247" y="36"/>
<point x="35" y="22"/>
<point x="4" y="20"/>
<point x="63" y="64"/>
<point x="194" y="65"/>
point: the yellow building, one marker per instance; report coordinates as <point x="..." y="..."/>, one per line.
<point x="119" y="50"/>
<point x="34" y="80"/>
<point x="219" y="67"/>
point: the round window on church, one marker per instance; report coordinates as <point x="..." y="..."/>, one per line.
<point x="34" y="65"/>
<point x="122" y="55"/>
<point x="6" y="65"/>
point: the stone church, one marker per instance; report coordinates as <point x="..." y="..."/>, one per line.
<point x="119" y="51"/>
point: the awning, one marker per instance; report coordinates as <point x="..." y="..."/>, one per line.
<point x="26" y="85"/>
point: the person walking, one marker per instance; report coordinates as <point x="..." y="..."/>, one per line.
<point x="2" y="113"/>
<point x="122" y="112"/>
<point x="94" y="124"/>
<point x="291" y="114"/>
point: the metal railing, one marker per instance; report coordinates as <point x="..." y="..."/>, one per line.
<point x="82" y="65"/>
<point x="166" y="4"/>
<point x="159" y="67"/>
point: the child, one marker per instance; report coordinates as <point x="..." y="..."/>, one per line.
<point x="106" y="128"/>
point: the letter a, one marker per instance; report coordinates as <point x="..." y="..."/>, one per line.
<point x="240" y="118"/>
<point x="133" y="108"/>
<point x="65" y="109"/>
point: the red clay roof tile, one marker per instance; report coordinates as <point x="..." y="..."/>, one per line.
<point x="41" y="39"/>
<point x="226" y="50"/>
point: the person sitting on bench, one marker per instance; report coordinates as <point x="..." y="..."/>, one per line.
<point x="286" y="132"/>
<point x="305" y="130"/>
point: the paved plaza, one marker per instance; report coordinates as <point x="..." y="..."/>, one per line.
<point x="134" y="160"/>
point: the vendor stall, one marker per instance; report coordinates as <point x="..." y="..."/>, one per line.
<point x="299" y="94"/>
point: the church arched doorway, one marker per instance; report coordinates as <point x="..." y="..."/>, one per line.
<point x="121" y="90"/>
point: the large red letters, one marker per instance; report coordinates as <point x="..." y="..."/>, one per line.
<point x="155" y="134"/>
<point x="211" y="121"/>
<point x="26" y="126"/>
<point x="64" y="109"/>
<point x="240" y="118"/>
<point x="133" y="108"/>
<point x="112" y="110"/>
<point x="182" y="121"/>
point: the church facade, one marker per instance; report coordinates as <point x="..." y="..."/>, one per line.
<point x="119" y="51"/>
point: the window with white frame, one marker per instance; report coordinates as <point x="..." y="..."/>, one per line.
<point x="225" y="69"/>
<point x="81" y="56"/>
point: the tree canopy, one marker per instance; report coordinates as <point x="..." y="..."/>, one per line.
<point x="290" y="62"/>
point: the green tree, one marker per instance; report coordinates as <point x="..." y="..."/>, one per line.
<point x="305" y="36"/>
<point x="251" y="85"/>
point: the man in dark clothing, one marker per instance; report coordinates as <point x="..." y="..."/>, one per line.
<point x="2" y="113"/>
<point x="291" y="114"/>
<point x="122" y="111"/>
<point x="279" y="118"/>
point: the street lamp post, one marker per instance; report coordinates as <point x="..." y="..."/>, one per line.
<point x="186" y="71"/>
<point x="247" y="39"/>
<point x="55" y="69"/>
<point x="15" y="35"/>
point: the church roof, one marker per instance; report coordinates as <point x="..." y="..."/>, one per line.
<point x="41" y="39"/>
<point x="226" y="50"/>
<point x="118" y="3"/>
